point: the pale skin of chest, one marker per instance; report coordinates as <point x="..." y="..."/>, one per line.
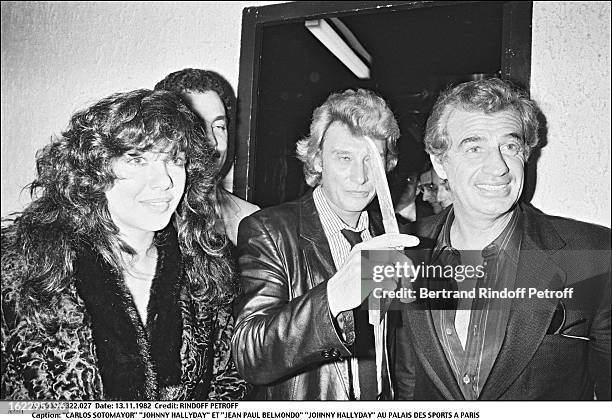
<point x="138" y="279"/>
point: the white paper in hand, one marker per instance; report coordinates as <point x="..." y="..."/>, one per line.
<point x="382" y="189"/>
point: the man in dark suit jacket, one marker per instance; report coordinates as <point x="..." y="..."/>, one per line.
<point x="552" y="343"/>
<point x="296" y="332"/>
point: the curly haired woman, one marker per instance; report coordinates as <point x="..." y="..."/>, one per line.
<point x="115" y="284"/>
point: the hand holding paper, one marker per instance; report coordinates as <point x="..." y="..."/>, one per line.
<point x="346" y="290"/>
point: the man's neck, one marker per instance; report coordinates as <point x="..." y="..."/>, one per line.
<point x="475" y="234"/>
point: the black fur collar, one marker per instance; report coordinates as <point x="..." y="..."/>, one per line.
<point x="135" y="360"/>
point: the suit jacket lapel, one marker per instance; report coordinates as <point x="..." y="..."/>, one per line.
<point x="418" y="316"/>
<point x="529" y="317"/>
<point x="430" y="353"/>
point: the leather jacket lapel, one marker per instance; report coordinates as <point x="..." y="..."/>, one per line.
<point x="313" y="244"/>
<point x="317" y="257"/>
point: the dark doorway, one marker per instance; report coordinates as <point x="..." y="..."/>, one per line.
<point x="417" y="49"/>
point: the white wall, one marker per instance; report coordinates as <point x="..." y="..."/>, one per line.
<point x="58" y="57"/>
<point x="570" y="79"/>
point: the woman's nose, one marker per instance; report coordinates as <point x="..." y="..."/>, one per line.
<point x="159" y="176"/>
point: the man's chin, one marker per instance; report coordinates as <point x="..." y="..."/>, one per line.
<point x="498" y="209"/>
<point x="357" y="203"/>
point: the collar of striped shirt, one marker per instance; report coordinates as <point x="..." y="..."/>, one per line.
<point x="333" y="225"/>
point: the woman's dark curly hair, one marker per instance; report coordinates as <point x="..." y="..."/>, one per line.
<point x="69" y="207"/>
<point x="200" y="81"/>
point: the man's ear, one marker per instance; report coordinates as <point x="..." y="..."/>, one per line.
<point x="438" y="166"/>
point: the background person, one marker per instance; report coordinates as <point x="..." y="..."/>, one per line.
<point x="212" y="98"/>
<point x="405" y="207"/>
<point x="435" y="190"/>
<point x="410" y="205"/>
<point x="114" y="283"/>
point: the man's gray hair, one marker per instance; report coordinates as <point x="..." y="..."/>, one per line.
<point x="488" y="96"/>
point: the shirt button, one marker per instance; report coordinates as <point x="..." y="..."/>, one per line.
<point x="466" y="379"/>
<point x="449" y="331"/>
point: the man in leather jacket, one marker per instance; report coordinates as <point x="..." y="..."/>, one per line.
<point x="296" y="334"/>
